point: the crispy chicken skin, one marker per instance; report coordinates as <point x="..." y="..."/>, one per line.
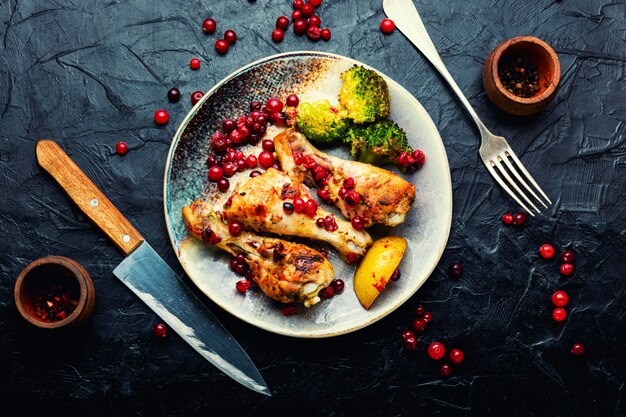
<point x="258" y="205"/>
<point x="385" y="197"/>
<point x="287" y="272"/>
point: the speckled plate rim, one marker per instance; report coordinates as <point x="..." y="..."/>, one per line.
<point x="286" y="331"/>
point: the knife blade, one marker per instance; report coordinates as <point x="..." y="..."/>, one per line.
<point x="145" y="273"/>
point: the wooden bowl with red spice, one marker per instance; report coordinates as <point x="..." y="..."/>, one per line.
<point x="521" y="75"/>
<point x="54" y="292"/>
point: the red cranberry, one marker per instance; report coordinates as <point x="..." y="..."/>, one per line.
<point x="297" y="158"/>
<point x="238" y="266"/>
<point x="566" y="269"/>
<point x="289" y="310"/>
<point x="229" y="169"/>
<point x="428" y="317"/>
<point x="353" y="198"/>
<point x="230" y="36"/>
<point x="320" y="222"/>
<point x="559" y="314"/>
<point x="121" y="148"/>
<point x="298" y="205"/>
<point x="323" y="193"/>
<point x="331" y="224"/>
<point x="577" y="349"/>
<point x="456" y="269"/>
<point x="255" y="174"/>
<point x="288" y="208"/>
<point x="403" y="160"/>
<point x="387" y="26"/>
<point x="520" y="218"/>
<point x="282" y="23"/>
<point x="266" y="159"/>
<point x="419" y="325"/>
<point x="308" y="162"/>
<point x="352" y="258"/>
<point x="396" y="275"/>
<point x="507" y="218"/>
<point x="220" y="146"/>
<point x="297" y="4"/>
<point x="358" y="222"/>
<point x="223" y="184"/>
<point x="445" y="370"/>
<point x="215" y="173"/>
<point x="235" y="228"/>
<point x="194" y="64"/>
<point x="159" y="330"/>
<point x="314" y="21"/>
<point x="296" y="15"/>
<point x="228" y="125"/>
<point x="325" y="34"/>
<point x="456" y="356"/>
<point x="278" y="35"/>
<point x="241" y="165"/>
<point x="292" y="100"/>
<point x="196" y="96"/>
<point x="161" y="117"/>
<point x="307" y="10"/>
<point x="409" y="340"/>
<point x="348" y="183"/>
<point x="242" y="286"/>
<point x="314" y="33"/>
<point x="419" y="157"/>
<point x="546" y="251"/>
<point x="310" y="208"/>
<point x="300" y="26"/>
<point x="173" y="95"/>
<point x="211" y="160"/>
<point x="209" y="25"/>
<point x="567" y="257"/>
<point x="560" y="298"/>
<point x="315" y="3"/>
<point x="268" y="145"/>
<point x="251" y="161"/>
<point x="221" y="46"/>
<point x="338" y="285"/>
<point x="274" y="105"/>
<point x="328" y="292"/>
<point x="239" y="156"/>
<point x="420" y="310"/>
<point x="436" y="351"/>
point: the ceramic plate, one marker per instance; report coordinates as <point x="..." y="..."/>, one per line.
<point x="312" y="76"/>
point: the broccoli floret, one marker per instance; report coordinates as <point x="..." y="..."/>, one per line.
<point x="320" y="122"/>
<point x="377" y="143"/>
<point x="364" y="95"/>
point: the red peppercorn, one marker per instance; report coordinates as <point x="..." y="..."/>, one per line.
<point x="121" y="148"/>
<point x="419" y="311"/>
<point x="221" y="46"/>
<point x="215" y="173"/>
<point x="445" y="370"/>
<point x="235" y="228"/>
<point x="194" y="64"/>
<point x="230" y="36"/>
<point x="282" y="23"/>
<point x="161" y="117"/>
<point x="298" y="205"/>
<point x="456" y="356"/>
<point x="173" y="95"/>
<point x="566" y="269"/>
<point x="428" y="317"/>
<point x="314" y="33"/>
<point x="436" y="351"/>
<point x="567" y="256"/>
<point x="559" y="314"/>
<point x="299" y="26"/>
<point x="278" y="35"/>
<point x="296" y="15"/>
<point x="242" y="286"/>
<point x="409" y="341"/>
<point x="507" y="218"/>
<point x="209" y="25"/>
<point x="310" y="208"/>
<point x="358" y="222"/>
<point x="325" y="34"/>
<point x="520" y="218"/>
<point x="292" y="100"/>
<point x="387" y="26"/>
<point x="196" y="96"/>
<point x="456" y="269"/>
<point x="314" y="21"/>
<point x="223" y="184"/>
<point x="338" y="285"/>
<point x="159" y="330"/>
<point x="419" y="325"/>
<point x="560" y="298"/>
<point x="266" y="159"/>
<point x="547" y="251"/>
<point x="577" y="349"/>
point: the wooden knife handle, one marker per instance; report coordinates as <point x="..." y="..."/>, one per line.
<point x="87" y="196"/>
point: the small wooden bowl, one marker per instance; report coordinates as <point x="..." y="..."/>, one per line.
<point x="66" y="274"/>
<point x="534" y="51"/>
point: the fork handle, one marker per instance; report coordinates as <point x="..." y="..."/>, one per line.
<point x="408" y="21"/>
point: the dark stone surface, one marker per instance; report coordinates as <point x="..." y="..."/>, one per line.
<point x="89" y="73"/>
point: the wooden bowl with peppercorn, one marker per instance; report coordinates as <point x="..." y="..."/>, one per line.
<point x="54" y="292"/>
<point x="521" y="75"/>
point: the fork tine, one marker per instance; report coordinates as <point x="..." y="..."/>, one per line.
<point x="520" y="179"/>
<point x="498" y="164"/>
<point x="495" y="175"/>
<point x="510" y="153"/>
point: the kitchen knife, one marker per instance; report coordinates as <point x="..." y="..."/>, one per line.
<point x="148" y="276"/>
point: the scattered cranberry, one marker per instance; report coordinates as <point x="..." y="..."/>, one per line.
<point x="315" y="3"/>
<point x="288" y="208"/>
<point x="310" y="207"/>
<point x="325" y="34"/>
<point x="235" y="228"/>
<point x="196" y="96"/>
<point x="328" y="292"/>
<point x="456" y="269"/>
<point x="268" y="145"/>
<point x="559" y="314"/>
<point x="194" y="64"/>
<point x="159" y="330"/>
<point x="229" y="169"/>
<point x="221" y="46"/>
<point x="266" y="159"/>
<point x="520" y="218"/>
<point x="419" y="157"/>
<point x="242" y="286"/>
<point x="387" y="26"/>
<point x="331" y="224"/>
<point x="292" y="100"/>
<point x="566" y="269"/>
<point x="297" y="15"/>
<point x="445" y="370"/>
<point x="289" y="310"/>
<point x="567" y="257"/>
<point x="230" y="36"/>
<point x="338" y="285"/>
<point x="299" y="26"/>
<point x="436" y="351"/>
<point x="173" y="95"/>
<point x="456" y="356"/>
<point x="409" y="340"/>
<point x="121" y="148"/>
<point x="278" y="35"/>
<point x="314" y="21"/>
<point x="348" y="183"/>
<point x="419" y="325"/>
<point x="209" y="25"/>
<point x="352" y="198"/>
<point x="229" y="125"/>
<point x="323" y="193"/>
<point x="546" y="251"/>
<point x="320" y="222"/>
<point x="428" y="317"/>
<point x="577" y="349"/>
<point x="507" y="218"/>
<point x="396" y="275"/>
<point x="282" y="23"/>
<point x="223" y="184"/>
<point x="255" y="173"/>
<point x="560" y="298"/>
<point x="358" y="222"/>
<point x="420" y="311"/>
<point x="307" y="10"/>
<point x="274" y="105"/>
<point x="251" y="161"/>
<point x="298" y="205"/>
<point x="161" y="117"/>
<point x="297" y="4"/>
<point x="215" y="173"/>
<point x="314" y="33"/>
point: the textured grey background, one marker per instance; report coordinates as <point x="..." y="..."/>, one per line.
<point x="89" y="73"/>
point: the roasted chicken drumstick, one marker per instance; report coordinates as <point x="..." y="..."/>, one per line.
<point x="374" y="194"/>
<point x="285" y="271"/>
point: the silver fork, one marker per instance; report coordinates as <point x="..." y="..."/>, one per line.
<point x="494" y="151"/>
